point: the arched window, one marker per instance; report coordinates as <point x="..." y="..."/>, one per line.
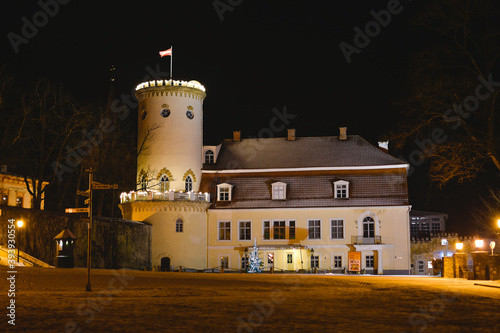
<point x="179" y="225"/>
<point x="189" y="183"/>
<point x="164" y="183"/>
<point x="209" y="156"/>
<point x="143" y="182"/>
<point x="368" y="227"/>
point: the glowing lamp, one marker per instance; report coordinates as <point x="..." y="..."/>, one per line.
<point x="498" y="222"/>
<point x="459" y="246"/>
<point x="20" y="224"/>
<point x="479" y="243"/>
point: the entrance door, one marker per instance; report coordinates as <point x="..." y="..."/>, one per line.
<point x="289" y="261"/>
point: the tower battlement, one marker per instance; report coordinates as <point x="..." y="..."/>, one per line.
<point x="171" y="83"/>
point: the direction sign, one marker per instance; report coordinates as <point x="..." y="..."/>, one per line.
<point x="84" y="193"/>
<point x="77" y="210"/>
<point x="99" y="186"/>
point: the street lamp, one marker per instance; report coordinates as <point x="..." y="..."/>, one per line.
<point x="492" y="246"/>
<point x="479" y="244"/>
<point x="459" y="246"/>
<point x="20" y="224"/>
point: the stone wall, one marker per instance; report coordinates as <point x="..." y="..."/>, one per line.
<point x="116" y="243"/>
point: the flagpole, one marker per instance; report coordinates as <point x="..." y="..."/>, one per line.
<point x="171" y="56"/>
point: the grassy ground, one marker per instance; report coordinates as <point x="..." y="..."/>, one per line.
<point x="55" y="300"/>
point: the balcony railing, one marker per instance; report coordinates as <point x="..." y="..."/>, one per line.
<point x="366" y="240"/>
<point x="163" y="196"/>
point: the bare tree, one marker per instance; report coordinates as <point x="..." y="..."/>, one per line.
<point x="46" y="129"/>
<point x="450" y="107"/>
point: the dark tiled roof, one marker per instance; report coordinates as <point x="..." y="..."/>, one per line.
<point x="272" y="153"/>
<point x="366" y="188"/>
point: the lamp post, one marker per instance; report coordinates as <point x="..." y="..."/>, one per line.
<point x="444" y="241"/>
<point x="20" y="224"/>
<point x="492" y="246"/>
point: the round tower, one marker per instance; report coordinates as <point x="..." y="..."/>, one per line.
<point x="170" y="135"/>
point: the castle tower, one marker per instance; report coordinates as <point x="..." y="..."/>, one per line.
<point x="170" y="137"/>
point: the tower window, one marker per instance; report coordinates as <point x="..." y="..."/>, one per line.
<point x="164" y="183"/>
<point x="189" y="114"/>
<point x="189" y="183"/>
<point x="165" y="113"/>
<point x="179" y="225"/>
<point x="209" y="156"/>
<point x="143" y="182"/>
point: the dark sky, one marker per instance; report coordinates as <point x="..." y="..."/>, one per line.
<point x="253" y="57"/>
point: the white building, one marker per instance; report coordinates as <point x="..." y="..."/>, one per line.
<point x="308" y="202"/>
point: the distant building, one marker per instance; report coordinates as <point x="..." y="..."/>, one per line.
<point x="424" y="224"/>
<point x="13" y="191"/>
<point x="307" y="201"/>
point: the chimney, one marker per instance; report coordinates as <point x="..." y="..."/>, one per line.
<point x="291" y="135"/>
<point x="343" y="133"/>
<point x="236" y="135"/>
<point x="384" y="146"/>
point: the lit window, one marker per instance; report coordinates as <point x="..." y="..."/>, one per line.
<point x="224" y="262"/>
<point x="369" y="262"/>
<point x="314" y="229"/>
<point x="164" y="183"/>
<point x="278" y="229"/>
<point x="209" y="156"/>
<point x="245" y="230"/>
<point x="279" y="191"/>
<point x="341" y="189"/>
<point x="337" y="227"/>
<point x="179" y="225"/>
<point x="189" y="183"/>
<point x="19" y="201"/>
<point x="225" y="230"/>
<point x="4" y="199"/>
<point x="224" y="192"/>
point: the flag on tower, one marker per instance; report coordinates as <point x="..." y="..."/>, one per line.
<point x="166" y="53"/>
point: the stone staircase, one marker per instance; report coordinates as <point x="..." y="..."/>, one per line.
<point x="24" y="259"/>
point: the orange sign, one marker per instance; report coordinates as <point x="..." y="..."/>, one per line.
<point x="354" y="260"/>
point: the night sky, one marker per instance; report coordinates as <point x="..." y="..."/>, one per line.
<point x="253" y="57"/>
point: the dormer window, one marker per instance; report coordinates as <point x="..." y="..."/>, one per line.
<point x="209" y="156"/>
<point x="341" y="189"/>
<point x="279" y="191"/>
<point x="224" y="192"/>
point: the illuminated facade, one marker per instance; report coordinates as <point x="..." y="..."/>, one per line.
<point x="13" y="190"/>
<point x="307" y="202"/>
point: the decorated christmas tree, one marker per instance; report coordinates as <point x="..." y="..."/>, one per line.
<point x="254" y="262"/>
